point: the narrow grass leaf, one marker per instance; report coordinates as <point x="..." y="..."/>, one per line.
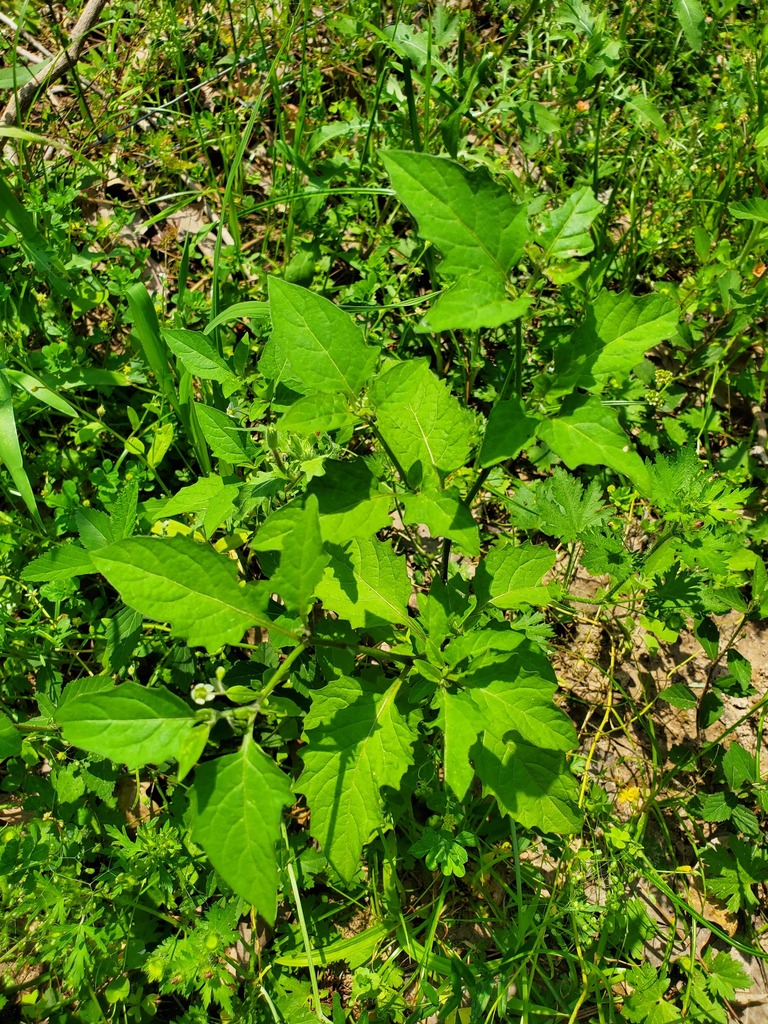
<point x="10" y="450"/>
<point x="237" y="803"/>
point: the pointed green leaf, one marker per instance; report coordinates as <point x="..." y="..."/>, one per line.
<point x="318" y="412"/>
<point x="61" y="563"/>
<point x="209" y="497"/>
<point x="690" y="14"/>
<point x="10" y="451"/>
<point x="421" y="423"/>
<point x="302" y="562"/>
<point x="474" y="222"/>
<point x="10" y="738"/>
<point x="357" y="742"/>
<point x="225" y="439"/>
<point x="616" y="333"/>
<point x="237" y="803"/>
<point x="750" y="209"/>
<point x="445" y="515"/>
<point x="461" y="722"/>
<point x="738" y="766"/>
<point x="130" y="724"/>
<point x="198" y="356"/>
<point x="508" y="431"/>
<point x="510" y="576"/>
<point x="366" y="583"/>
<point x="188" y="585"/>
<point x="565" y="231"/>
<point x="321" y="346"/>
<point x="474" y="302"/>
<point x="587" y="433"/>
<point x="350" y="502"/>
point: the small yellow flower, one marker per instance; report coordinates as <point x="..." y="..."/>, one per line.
<point x="629" y="795"/>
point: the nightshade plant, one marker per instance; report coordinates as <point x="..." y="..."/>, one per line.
<point x="292" y="547"/>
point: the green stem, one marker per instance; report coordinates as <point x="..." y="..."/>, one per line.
<point x="280" y="674"/>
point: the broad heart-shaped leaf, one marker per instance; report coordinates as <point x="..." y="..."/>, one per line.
<point x="445" y="515"/>
<point x="421" y="423"/>
<point x="473" y="221"/>
<point x="198" y="356"/>
<point x="473" y="302"/>
<point x="508" y="431"/>
<point x="188" y="585"/>
<point x="587" y="433"/>
<point x="350" y="502"/>
<point x="690" y="14"/>
<point x="302" y="561"/>
<point x="365" y="583"/>
<point x="237" y="803"/>
<point x="565" y="231"/>
<point x="321" y="411"/>
<point x="616" y="333"/>
<point x="130" y="724"/>
<point x="510" y="576"/>
<point x="225" y="439"/>
<point x="357" y="742"/>
<point x="321" y="346"/>
<point x="10" y="738"/>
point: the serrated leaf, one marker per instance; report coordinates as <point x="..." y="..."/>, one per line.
<point x="61" y="563"/>
<point x="738" y="766"/>
<point x="225" y="439"/>
<point x="318" y="412"/>
<point x="716" y="807"/>
<point x="122" y="511"/>
<point x="188" y="585"/>
<point x="565" y="231"/>
<point x="130" y="724"/>
<point x="357" y="742"/>
<point x="421" y="423"/>
<point x="725" y="976"/>
<point x="302" y="562"/>
<point x="349" y="501"/>
<point x="679" y="696"/>
<point x="10" y="738"/>
<point x="94" y="528"/>
<point x="477" y="227"/>
<point x="755" y="209"/>
<point x="209" y="496"/>
<point x="567" y="508"/>
<point x="615" y="334"/>
<point x="510" y="576"/>
<point x="647" y="1003"/>
<point x="198" y="356"/>
<point x="237" y="803"/>
<point x="365" y="583"/>
<point x="586" y="433"/>
<point x="445" y="515"/>
<point x="690" y="14"/>
<point x="508" y="431"/>
<point x="321" y="347"/>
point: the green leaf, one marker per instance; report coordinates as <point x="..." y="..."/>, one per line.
<point x="567" y="508"/>
<point x="616" y="333"/>
<point x="565" y="231"/>
<point x="61" y="563"/>
<point x="349" y="501"/>
<point x="321" y="346"/>
<point x="750" y="209"/>
<point x="479" y="230"/>
<point x="237" y="803"/>
<point x="445" y="515"/>
<point x="10" y="451"/>
<point x="302" y="562"/>
<point x="472" y="220"/>
<point x="130" y="724"/>
<point x="717" y="807"/>
<point x="10" y="738"/>
<point x="318" y="412"/>
<point x="198" y="356"/>
<point x="239" y="311"/>
<point x="192" y="747"/>
<point x="647" y="1003"/>
<point x="224" y="438"/>
<point x="150" y="342"/>
<point x="357" y="742"/>
<point x="585" y="432"/>
<point x="421" y="423"/>
<point x="690" y="14"/>
<point x="510" y="576"/>
<point x="738" y="766"/>
<point x="725" y="976"/>
<point x="708" y="635"/>
<point x="509" y="430"/>
<point x="278" y="528"/>
<point x="679" y="696"/>
<point x="176" y="580"/>
<point x="366" y="584"/>
<point x="209" y="497"/>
